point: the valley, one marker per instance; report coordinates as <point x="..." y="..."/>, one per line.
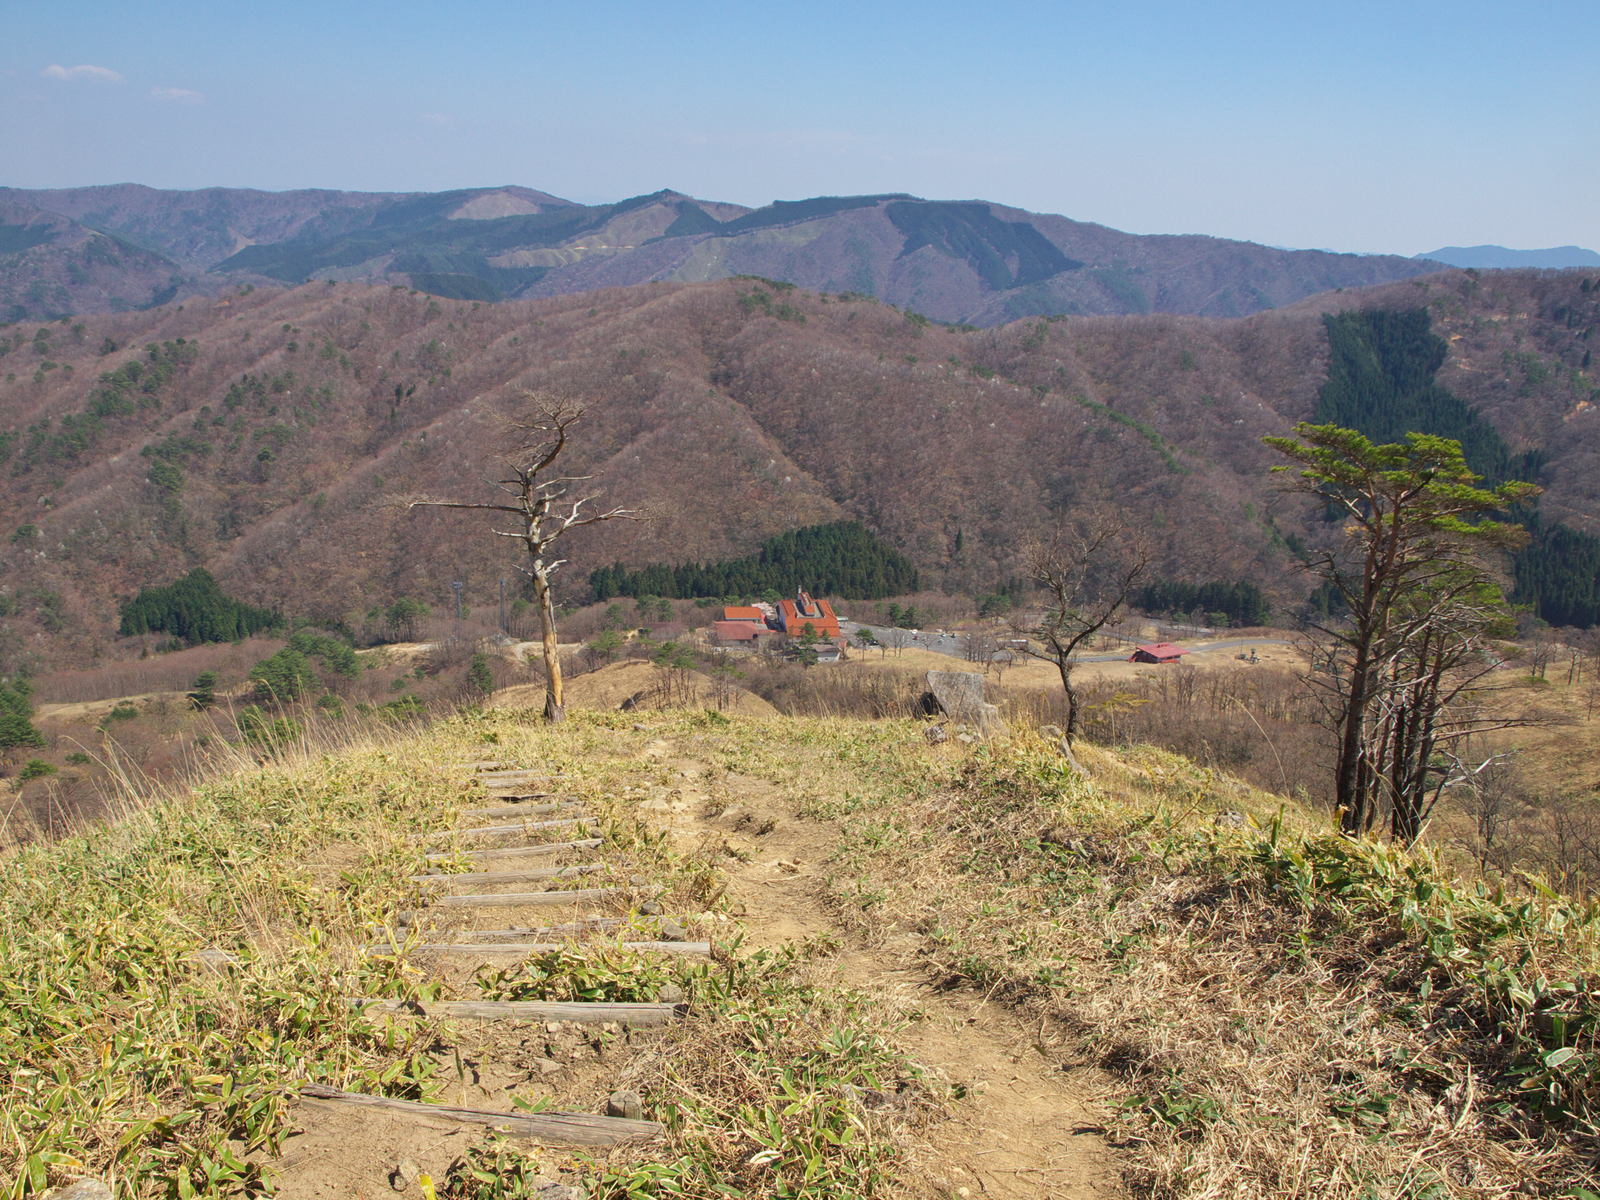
<point x="269" y="436"/>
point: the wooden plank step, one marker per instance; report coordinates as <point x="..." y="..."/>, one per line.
<point x="519" y="851"/>
<point x="512" y="791"/>
<point x="597" y="1012"/>
<point x="527" y="948"/>
<point x="481" y="764"/>
<point x="519" y="899"/>
<point x="509" y="876"/>
<point x="404" y="920"/>
<point x="548" y="1128"/>
<point x="519" y="774"/>
<point x="519" y="810"/>
<point x="518" y="827"/>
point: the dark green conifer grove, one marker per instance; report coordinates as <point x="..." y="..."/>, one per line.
<point x="195" y="609"/>
<point x="842" y="559"/>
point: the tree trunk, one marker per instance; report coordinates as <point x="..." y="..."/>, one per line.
<point x="1070" y="734"/>
<point x="1352" y="779"/>
<point x="555" y="708"/>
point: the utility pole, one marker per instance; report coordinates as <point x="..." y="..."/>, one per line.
<point x="503" y="628"/>
<point x="456" y="585"/>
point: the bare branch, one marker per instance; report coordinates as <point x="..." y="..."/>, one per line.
<point x="459" y="504"/>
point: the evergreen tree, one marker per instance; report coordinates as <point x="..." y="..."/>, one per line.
<point x="283" y="677"/>
<point x="16" y="712"/>
<point x="205" y="690"/>
<point x="1419" y="604"/>
<point x="338" y="656"/>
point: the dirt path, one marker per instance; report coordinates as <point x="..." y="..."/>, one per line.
<point x="1026" y="1128"/>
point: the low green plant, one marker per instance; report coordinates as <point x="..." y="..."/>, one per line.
<point x="127" y="1054"/>
<point x="266" y="732"/>
<point x="1176" y="1106"/>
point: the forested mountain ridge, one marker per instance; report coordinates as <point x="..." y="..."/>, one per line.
<point x="265" y="435"/>
<point x="969" y="261"/>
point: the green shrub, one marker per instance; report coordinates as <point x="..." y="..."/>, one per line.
<point x="267" y="733"/>
<point x="282" y="677"/>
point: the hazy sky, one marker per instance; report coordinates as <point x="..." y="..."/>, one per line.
<point x="1397" y="126"/>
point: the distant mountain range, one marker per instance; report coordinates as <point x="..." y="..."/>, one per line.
<point x="97" y="249"/>
<point x="1491" y="258"/>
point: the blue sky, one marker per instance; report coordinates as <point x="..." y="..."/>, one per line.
<point x="1394" y="127"/>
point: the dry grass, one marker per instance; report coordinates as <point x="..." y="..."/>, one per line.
<point x="1277" y="1012"/>
<point x="130" y="1055"/>
<point x="1265" y="1041"/>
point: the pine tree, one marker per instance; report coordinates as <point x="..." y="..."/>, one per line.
<point x="16" y="712"/>
<point x="205" y="690"/>
<point x="1414" y="582"/>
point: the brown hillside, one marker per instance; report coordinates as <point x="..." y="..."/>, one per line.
<point x="731" y="410"/>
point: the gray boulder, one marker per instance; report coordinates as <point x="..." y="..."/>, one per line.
<point x="959" y="696"/>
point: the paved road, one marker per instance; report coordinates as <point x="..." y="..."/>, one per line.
<point x="955" y="646"/>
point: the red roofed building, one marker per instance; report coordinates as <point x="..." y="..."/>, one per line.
<point x="1157" y="652"/>
<point x="741" y="633"/>
<point x="744" y="612"/>
<point x="795" y="615"/>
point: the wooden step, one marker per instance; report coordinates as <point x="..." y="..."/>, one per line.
<point x="518" y="851"/>
<point x="519" y="774"/>
<point x="518" y="827"/>
<point x="547" y="1128"/>
<point x="597" y="1012"/>
<point x="525" y="949"/>
<point x="509" y="876"/>
<point x="482" y="764"/>
<point x="405" y="920"/>
<point x="519" y="810"/>
<point x="520" y="899"/>
<point x="515" y="791"/>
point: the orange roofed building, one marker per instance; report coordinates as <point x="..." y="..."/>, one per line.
<point x="794" y="615"/>
<point x="744" y="612"/>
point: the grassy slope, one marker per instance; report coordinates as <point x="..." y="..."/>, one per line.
<point x="1282" y="1013"/>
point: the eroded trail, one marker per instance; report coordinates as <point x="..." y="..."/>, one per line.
<point x="1025" y="1128"/>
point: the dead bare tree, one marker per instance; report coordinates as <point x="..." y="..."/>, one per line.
<point x="1542" y="649"/>
<point x="1491" y="796"/>
<point x="895" y="639"/>
<point x="545" y="509"/>
<point x="1087" y="573"/>
<point x="979" y="646"/>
